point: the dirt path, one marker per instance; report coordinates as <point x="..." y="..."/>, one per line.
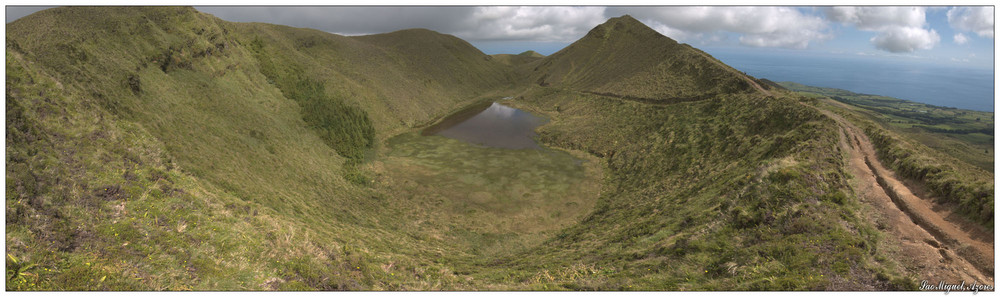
<point x="929" y="245"/>
<point x="756" y="86"/>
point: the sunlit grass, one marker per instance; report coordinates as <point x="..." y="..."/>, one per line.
<point x="492" y="200"/>
<point x="164" y="149"/>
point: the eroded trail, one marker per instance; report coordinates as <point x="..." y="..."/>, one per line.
<point x="931" y="247"/>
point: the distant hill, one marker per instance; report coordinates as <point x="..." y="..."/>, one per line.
<point x="624" y="57"/>
<point x="518" y="59"/>
<point x="405" y="77"/>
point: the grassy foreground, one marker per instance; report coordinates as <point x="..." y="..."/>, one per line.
<point x="181" y="163"/>
<point x="728" y="199"/>
<point x="165" y="149"/>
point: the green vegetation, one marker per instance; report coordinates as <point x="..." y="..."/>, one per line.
<point x="130" y="173"/>
<point x="737" y="193"/>
<point x="345" y="128"/>
<point x="164" y="149"/>
<point x="518" y="59"/>
<point x="624" y="58"/>
<point x="969" y="187"/>
<point x="478" y="202"/>
<point x="966" y="135"/>
<point x="400" y="79"/>
<point x="936" y="146"/>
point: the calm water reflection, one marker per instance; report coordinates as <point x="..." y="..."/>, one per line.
<point x="493" y="125"/>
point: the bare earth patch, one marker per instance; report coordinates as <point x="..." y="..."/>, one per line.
<point x="929" y="245"/>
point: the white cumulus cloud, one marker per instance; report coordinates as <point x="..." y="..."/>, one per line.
<point x="537" y="23"/>
<point x="905" y="39"/>
<point x="872" y="18"/>
<point x="757" y="26"/>
<point x="532" y="23"/>
<point x="899" y="29"/>
<point x="961" y="38"/>
<point x="973" y="19"/>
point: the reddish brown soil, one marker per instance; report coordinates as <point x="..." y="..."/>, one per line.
<point x="934" y="244"/>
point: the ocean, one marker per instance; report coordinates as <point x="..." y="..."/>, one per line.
<point x="941" y="85"/>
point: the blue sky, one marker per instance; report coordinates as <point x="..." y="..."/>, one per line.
<point x="917" y="34"/>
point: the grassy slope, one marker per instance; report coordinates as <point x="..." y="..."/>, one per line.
<point x="942" y="148"/>
<point x="476" y="204"/>
<point x="736" y="192"/>
<point x="623" y="57"/>
<point x="401" y="79"/>
<point x="518" y="59"/>
<point x="733" y="191"/>
<point x="186" y="164"/>
<point x="263" y="188"/>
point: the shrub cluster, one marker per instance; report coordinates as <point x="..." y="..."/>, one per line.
<point x="345" y="128"/>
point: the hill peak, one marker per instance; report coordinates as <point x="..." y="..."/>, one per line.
<point x="622" y="26"/>
<point x="531" y="53"/>
<point x="627" y="19"/>
<point x="624" y="57"/>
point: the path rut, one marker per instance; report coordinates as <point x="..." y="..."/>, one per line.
<point x="929" y="245"/>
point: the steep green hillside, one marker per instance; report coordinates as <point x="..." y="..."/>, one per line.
<point x="733" y="192"/>
<point x="165" y="149"/>
<point x="146" y="145"/>
<point x="625" y="58"/>
<point x="401" y="79"/>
